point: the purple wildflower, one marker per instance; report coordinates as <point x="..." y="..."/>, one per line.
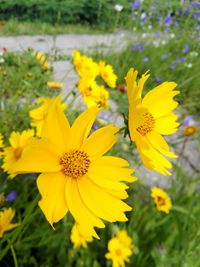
<point x="188" y="121"/>
<point x="137" y="47"/>
<point x="158" y="79"/>
<point x="198" y="27"/>
<point x="167" y="20"/>
<point x="186" y="48"/>
<point x="186" y="11"/>
<point x="195" y="4"/>
<point x="146" y="59"/>
<point x="12" y="195"/>
<point x="176" y="24"/>
<point x="195" y="14"/>
<point x="153" y="8"/>
<point x="135" y="5"/>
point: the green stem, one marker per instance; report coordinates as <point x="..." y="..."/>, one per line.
<point x="14" y="256"/>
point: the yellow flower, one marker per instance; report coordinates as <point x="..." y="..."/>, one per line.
<point x="38" y="114"/>
<point x="78" y="239"/>
<point x="161" y="199"/>
<point x="18" y="143"/>
<point x="107" y="74"/>
<point x="54" y="85"/>
<point x="118" y="253"/>
<point x="85" y="66"/>
<point x="6" y="217"/>
<point x="190" y="130"/>
<point x="150" y="118"/>
<point x="98" y="97"/>
<point x="42" y="60"/>
<point x="76" y="177"/>
<point x="124" y="238"/>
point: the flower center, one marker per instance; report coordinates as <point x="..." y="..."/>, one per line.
<point x="18" y="152"/>
<point x="75" y="163"/>
<point x="118" y="252"/>
<point x="148" y="124"/>
<point x="161" y="201"/>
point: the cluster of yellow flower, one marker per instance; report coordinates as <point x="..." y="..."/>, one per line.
<point x="120" y="248"/>
<point x="75" y="175"/>
<point x="88" y="70"/>
<point x="42" y="60"/>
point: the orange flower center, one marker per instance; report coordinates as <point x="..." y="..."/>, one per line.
<point x="118" y="252"/>
<point x="147" y="125"/>
<point x="75" y="163"/>
<point x="161" y="201"/>
<point x="190" y="130"/>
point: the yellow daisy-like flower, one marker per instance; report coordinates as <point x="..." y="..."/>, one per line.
<point x="150" y="118"/>
<point x="11" y="154"/>
<point x="38" y="114"/>
<point x="78" y="239"/>
<point x="107" y="74"/>
<point x="161" y="199"/>
<point x="42" y="60"/>
<point x="55" y="85"/>
<point x="76" y="177"/>
<point x="124" y="238"/>
<point x="85" y="66"/>
<point x="118" y="253"/>
<point x="6" y="217"/>
<point x="98" y="97"/>
<point x="190" y="130"/>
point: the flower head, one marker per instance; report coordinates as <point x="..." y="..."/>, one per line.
<point x="161" y="199"/>
<point x="11" y="196"/>
<point x="6" y="217"/>
<point x="78" y="239"/>
<point x="120" y="249"/>
<point x="42" y="60"/>
<point x="11" y="154"/>
<point x="118" y="7"/>
<point x="190" y="126"/>
<point x="38" y="114"/>
<point x="150" y="118"/>
<point x="107" y="74"/>
<point x="75" y="176"/>
<point x="54" y="85"/>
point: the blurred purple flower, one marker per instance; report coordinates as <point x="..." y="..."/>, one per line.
<point x="137" y="47"/>
<point x="195" y="4"/>
<point x="146" y="59"/>
<point x="153" y="8"/>
<point x="11" y="196"/>
<point x="158" y="34"/>
<point x="186" y="48"/>
<point x="172" y="66"/>
<point x="188" y="121"/>
<point x="164" y="56"/>
<point x="195" y="14"/>
<point x="167" y="20"/>
<point x="158" y="79"/>
<point x="135" y="5"/>
<point x="134" y="18"/>
<point x="198" y="27"/>
<point x="183" y="59"/>
<point x="176" y="24"/>
<point x="186" y="11"/>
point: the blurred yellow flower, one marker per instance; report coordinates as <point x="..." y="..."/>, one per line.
<point x="38" y="114"/>
<point x="85" y="66"/>
<point x="11" y="154"/>
<point x="190" y="130"/>
<point x="54" y="85"/>
<point x="150" y="118"/>
<point x="107" y="74"/>
<point x="76" y="177"/>
<point x="42" y="60"/>
<point x="124" y="238"/>
<point x="98" y="97"/>
<point x="6" y="217"/>
<point x="161" y="199"/>
<point x="78" y="239"/>
<point x="118" y="253"/>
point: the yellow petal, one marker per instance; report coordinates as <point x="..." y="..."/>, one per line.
<point x="83" y="216"/>
<point x="100" y="202"/>
<point x="111" y="161"/>
<point x="53" y="203"/>
<point x="162" y="99"/>
<point x="37" y="157"/>
<point x="56" y="127"/>
<point x="159" y="143"/>
<point x="167" y="124"/>
<point x="111" y="172"/>
<point x="100" y="141"/>
<point x="82" y="126"/>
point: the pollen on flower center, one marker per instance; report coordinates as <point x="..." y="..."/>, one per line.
<point x="161" y="201"/>
<point x="75" y="163"/>
<point x="148" y="124"/>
